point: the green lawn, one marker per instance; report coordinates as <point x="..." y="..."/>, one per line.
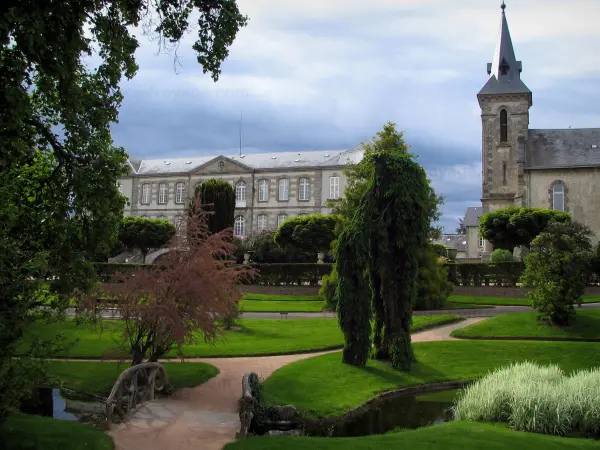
<point x="452" y="435"/>
<point x="281" y="306"/>
<point x="327" y="387"/>
<point x="504" y="301"/>
<point x="585" y="326"/>
<point x="24" y="432"/>
<point x="99" y="377"/>
<point x="255" y="337"/>
<point x="282" y="298"/>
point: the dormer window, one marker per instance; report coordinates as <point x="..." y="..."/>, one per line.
<point x="504" y="67"/>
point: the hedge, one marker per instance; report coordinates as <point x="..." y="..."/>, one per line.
<point x="477" y="274"/>
<point x="290" y="274"/>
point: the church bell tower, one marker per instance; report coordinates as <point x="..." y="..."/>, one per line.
<point x="505" y="103"/>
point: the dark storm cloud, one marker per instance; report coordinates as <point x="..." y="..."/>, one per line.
<point x="314" y="75"/>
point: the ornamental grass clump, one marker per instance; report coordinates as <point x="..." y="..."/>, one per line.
<point x="535" y="399"/>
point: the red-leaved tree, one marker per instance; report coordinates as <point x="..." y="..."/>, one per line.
<point x="195" y="286"/>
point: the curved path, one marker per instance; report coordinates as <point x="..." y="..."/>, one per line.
<point x="205" y="417"/>
<point x="479" y="312"/>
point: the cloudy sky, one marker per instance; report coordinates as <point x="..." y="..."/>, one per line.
<point x="327" y="74"/>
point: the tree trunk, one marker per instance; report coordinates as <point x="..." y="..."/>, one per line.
<point x="137" y="356"/>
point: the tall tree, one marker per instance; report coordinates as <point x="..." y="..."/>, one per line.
<point x="218" y="197"/>
<point x="384" y="239"/>
<point x="388" y="140"/>
<point x="58" y="170"/>
<point x="145" y="234"/>
<point x="517" y="226"/>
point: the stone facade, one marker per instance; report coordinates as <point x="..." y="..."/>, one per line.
<point x="521" y="166"/>
<point x="274" y="189"/>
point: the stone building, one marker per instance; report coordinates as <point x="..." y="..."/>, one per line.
<point x="541" y="168"/>
<point x="269" y="187"/>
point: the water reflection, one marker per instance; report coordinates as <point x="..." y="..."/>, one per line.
<point x="402" y="411"/>
<point x="47" y="402"/>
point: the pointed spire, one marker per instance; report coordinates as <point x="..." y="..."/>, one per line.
<point x="504" y="70"/>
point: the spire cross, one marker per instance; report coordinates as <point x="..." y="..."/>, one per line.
<point x="503" y="6"/>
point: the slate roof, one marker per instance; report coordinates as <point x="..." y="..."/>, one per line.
<point x="457" y="241"/>
<point x="254" y="161"/>
<point x="507" y="81"/>
<point x="570" y="148"/>
<point x="472" y="216"/>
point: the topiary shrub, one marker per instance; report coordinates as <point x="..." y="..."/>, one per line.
<point x="501" y="255"/>
<point x="312" y="233"/>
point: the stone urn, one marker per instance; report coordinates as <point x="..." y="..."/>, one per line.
<point x="451" y="252"/>
<point x="246" y="258"/>
<point x="320" y="257"/>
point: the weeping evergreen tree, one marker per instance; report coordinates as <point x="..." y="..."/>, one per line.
<point x="217" y="197"/>
<point x="377" y="260"/>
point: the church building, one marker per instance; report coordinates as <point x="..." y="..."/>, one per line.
<point x="540" y="168"/>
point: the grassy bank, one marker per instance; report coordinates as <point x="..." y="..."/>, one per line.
<point x="253" y="337"/>
<point x="585" y="326"/>
<point x="24" y="432"/>
<point x="452" y="435"/>
<point x="326" y="387"/>
<point x="99" y="377"/>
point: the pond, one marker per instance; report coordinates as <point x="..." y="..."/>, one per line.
<point x="400" y="411"/>
<point x="49" y="402"/>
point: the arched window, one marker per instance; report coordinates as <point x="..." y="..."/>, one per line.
<point x="162" y="193"/>
<point x="558" y="197"/>
<point x="238" y="227"/>
<point x="262" y="222"/>
<point x="240" y="192"/>
<point x="503" y="126"/>
<point x="284" y="190"/>
<point x="263" y="191"/>
<point x="179" y="193"/>
<point x="280" y="219"/>
<point x="303" y="189"/>
<point x="146" y="194"/>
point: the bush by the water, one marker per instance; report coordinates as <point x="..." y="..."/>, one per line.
<point x="539" y="399"/>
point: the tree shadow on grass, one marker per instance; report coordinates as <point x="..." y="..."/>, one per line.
<point x="420" y="373"/>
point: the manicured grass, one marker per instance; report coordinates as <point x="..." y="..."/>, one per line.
<point x="585" y="326"/>
<point x="99" y="377"/>
<point x="326" y="387"/>
<point x="25" y="432"/>
<point x="504" y="301"/>
<point x="254" y="337"/>
<point x="451" y="435"/>
<point x="281" y="306"/>
<point x="282" y="298"/>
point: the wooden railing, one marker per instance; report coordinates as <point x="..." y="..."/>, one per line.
<point x="135" y="385"/>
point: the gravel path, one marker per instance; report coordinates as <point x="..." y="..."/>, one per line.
<point x="480" y="312"/>
<point x="205" y="417"/>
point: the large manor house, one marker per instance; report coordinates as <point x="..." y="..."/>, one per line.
<point x="558" y="169"/>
